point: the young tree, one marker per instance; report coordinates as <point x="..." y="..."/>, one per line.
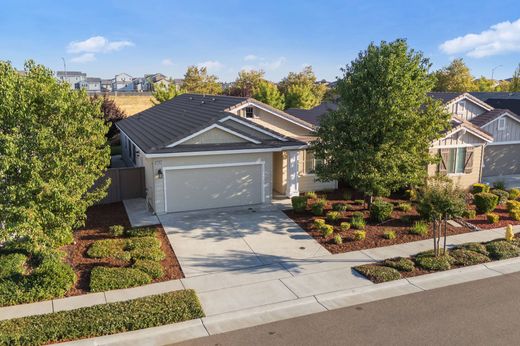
<point x="268" y="92"/>
<point x="515" y="82"/>
<point x="301" y="89"/>
<point x="197" y="80"/>
<point x="163" y="93"/>
<point x="439" y="201"/>
<point x="52" y="148"/>
<point x="379" y="138"/>
<point x="247" y="83"/>
<point x="455" y="77"/>
<point x="484" y="84"/>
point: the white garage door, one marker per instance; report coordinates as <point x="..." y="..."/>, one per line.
<point x="213" y="186"/>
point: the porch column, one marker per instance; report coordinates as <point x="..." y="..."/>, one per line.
<point x="292" y="174"/>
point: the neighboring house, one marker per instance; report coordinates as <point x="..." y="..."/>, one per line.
<point x="106" y="85"/>
<point x="203" y="151"/>
<point x="313" y="115"/>
<point x="93" y="84"/>
<point x="179" y="82"/>
<point x="74" y="78"/>
<point x="122" y="82"/>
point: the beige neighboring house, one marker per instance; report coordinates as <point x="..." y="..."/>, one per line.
<point x="204" y="151"/>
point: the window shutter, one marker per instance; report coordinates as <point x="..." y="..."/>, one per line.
<point x="468" y="165"/>
<point x="443" y="165"/>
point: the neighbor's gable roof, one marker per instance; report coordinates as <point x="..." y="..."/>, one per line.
<point x="459" y="124"/>
<point x="313" y="115"/>
<point x="155" y="130"/>
<point x="486" y="118"/>
<point x="452" y="97"/>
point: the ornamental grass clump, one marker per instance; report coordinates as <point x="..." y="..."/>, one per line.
<point x="338" y="240"/>
<point x="406" y="207"/>
<point x="318" y="223"/>
<point x="420" y="228"/>
<point x="360" y="235"/>
<point x="345" y="226"/>
<point x="326" y="230"/>
<point x="333" y="216"/>
<point x="318" y="206"/>
<point x="340" y="206"/>
<point x="389" y="235"/>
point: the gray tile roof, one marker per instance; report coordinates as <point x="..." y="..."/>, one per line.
<point x="155" y="128"/>
<point x="312" y="115"/>
<point x="487" y="117"/>
<point x="444" y="96"/>
<point x="70" y="73"/>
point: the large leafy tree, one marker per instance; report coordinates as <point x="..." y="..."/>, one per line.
<point x="247" y="83"/>
<point x="163" y="93"/>
<point x="268" y="92"/>
<point x="484" y="84"/>
<point x="301" y="89"/>
<point x="455" y="77"/>
<point x="52" y="148"/>
<point x="515" y="82"/>
<point x="378" y="140"/>
<point x="197" y="80"/>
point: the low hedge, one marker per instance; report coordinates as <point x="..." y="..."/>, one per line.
<point x="107" y="278"/>
<point x="101" y="320"/>
<point x="109" y="248"/>
<point x="378" y="274"/>
<point x="154" y="269"/>
<point x="485" y="202"/>
<point x="127" y="249"/>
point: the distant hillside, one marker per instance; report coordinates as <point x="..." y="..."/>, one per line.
<point x="132" y="104"/>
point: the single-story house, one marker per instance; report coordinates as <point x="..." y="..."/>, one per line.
<point x="204" y="151"/>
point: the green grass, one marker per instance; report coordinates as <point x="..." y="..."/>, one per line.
<point x="103" y="319"/>
<point x="378" y="274"/>
<point x="105" y="278"/>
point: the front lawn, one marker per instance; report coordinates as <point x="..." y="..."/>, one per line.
<point x="103" y="319"/>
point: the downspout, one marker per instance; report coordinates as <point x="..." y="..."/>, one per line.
<point x="481" y="163"/>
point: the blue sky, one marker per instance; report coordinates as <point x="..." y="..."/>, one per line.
<point x="103" y="38"/>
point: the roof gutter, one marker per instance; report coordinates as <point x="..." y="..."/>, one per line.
<point x="226" y="152"/>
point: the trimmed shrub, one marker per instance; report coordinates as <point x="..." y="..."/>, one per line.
<point x="326" y="230"/>
<point x="428" y="261"/>
<point x="12" y="265"/>
<point x="475" y="247"/>
<point x="109" y="248"/>
<point x="104" y="319"/>
<point x="381" y="210"/>
<point x="333" y="216"/>
<point x="389" y="235"/>
<point x="359" y="201"/>
<point x="358" y="223"/>
<point x="360" y="235"/>
<point x="420" y="228"/>
<point x="503" y="196"/>
<point x="340" y="206"/>
<point x="485" y="202"/>
<point x="478" y="188"/>
<point x="338" y="240"/>
<point x="117" y="230"/>
<point x="345" y="226"/>
<point x="400" y="263"/>
<point x="299" y="203"/>
<point x="145" y="248"/>
<point x="106" y="278"/>
<point x="410" y="194"/>
<point x="378" y="274"/>
<point x="492" y="217"/>
<point x="317" y="207"/>
<point x="464" y="257"/>
<point x="154" y="269"/>
<point x="318" y="223"/>
<point x="510" y="235"/>
<point x="502" y="249"/>
<point x="512" y="205"/>
<point x="470" y="214"/>
<point x="140" y="232"/>
<point x="499" y="184"/>
<point x="406" y="207"/>
<point x="311" y="195"/>
<point x="515" y="214"/>
<point x="514" y="193"/>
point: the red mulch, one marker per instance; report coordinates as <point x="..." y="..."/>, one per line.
<point x="501" y="210"/>
<point x="374" y="232"/>
<point x="99" y="219"/>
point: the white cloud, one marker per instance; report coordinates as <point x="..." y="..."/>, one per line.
<point x="83" y="58"/>
<point x="250" y="57"/>
<point x="167" y="62"/>
<point x="273" y="65"/>
<point x="212" y="65"/>
<point x="97" y="44"/>
<point x="501" y="38"/>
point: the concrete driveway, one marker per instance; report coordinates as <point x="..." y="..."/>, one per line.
<point x="215" y="241"/>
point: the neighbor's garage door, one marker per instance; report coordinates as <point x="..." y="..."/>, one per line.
<point x="214" y="186"/>
<point x="501" y="160"/>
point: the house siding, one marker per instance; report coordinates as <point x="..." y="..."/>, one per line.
<point x="510" y="133"/>
<point x="471" y="110"/>
<point x="276" y="123"/>
<point x="215" y="136"/>
<point x="458" y="139"/>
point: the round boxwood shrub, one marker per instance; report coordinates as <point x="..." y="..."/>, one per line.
<point x="492" y="217"/>
<point x="381" y="210"/>
<point x="514" y="193"/>
<point x="326" y="230"/>
<point x="318" y="223"/>
<point x="515" y="214"/>
<point x="503" y="196"/>
<point x="377" y="273"/>
<point x="400" y="263"/>
<point x="345" y="226"/>
<point x="485" y="202"/>
<point x="470" y="214"/>
<point x="512" y="205"/>
<point x="502" y="249"/>
<point x="338" y="240"/>
<point x="317" y="207"/>
<point x="333" y="216"/>
<point x="464" y="257"/>
<point x="478" y="188"/>
<point x="360" y="235"/>
<point x="299" y="203"/>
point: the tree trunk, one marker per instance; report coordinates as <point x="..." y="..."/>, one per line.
<point x="445" y="231"/>
<point x="434" y="230"/>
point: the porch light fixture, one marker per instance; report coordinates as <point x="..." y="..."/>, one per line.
<point x="159" y="173"/>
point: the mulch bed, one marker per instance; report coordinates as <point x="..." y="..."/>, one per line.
<point x="99" y="219"/>
<point x="501" y="210"/>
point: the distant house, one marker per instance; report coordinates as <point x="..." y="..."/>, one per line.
<point x="123" y="82"/>
<point x="93" y="84"/>
<point x="106" y="85"/>
<point x="72" y="77"/>
<point x="179" y="82"/>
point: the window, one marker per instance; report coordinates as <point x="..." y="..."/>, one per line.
<point x="461" y="107"/>
<point x="456" y="160"/>
<point x="250" y="112"/>
<point x="310" y="162"/>
<point x="501" y="124"/>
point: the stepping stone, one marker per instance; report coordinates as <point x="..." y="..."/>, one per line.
<point x="454" y="223"/>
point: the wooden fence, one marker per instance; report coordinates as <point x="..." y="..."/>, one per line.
<point x="126" y="183"/>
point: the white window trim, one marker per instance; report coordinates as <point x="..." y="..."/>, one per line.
<point x="456" y="156"/>
<point x="216" y="165"/>
<point x="211" y="127"/>
<point x="245" y="123"/>
<point x="249" y="104"/>
<point x="461" y="103"/>
<point x="501" y="124"/>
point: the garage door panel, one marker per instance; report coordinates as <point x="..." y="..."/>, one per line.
<point x="501" y="160"/>
<point x="213" y="187"/>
